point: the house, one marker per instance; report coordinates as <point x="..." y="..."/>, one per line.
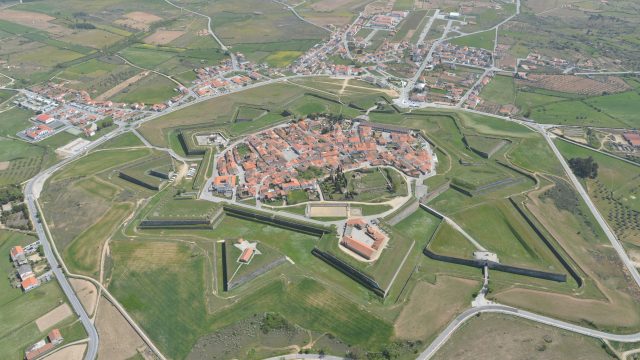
<point x="45" y="118"/>
<point x="30" y="283"/>
<point x="37" y="349"/>
<point x="246" y="256"/>
<point x="90" y="130"/>
<point x="25" y="271"/>
<point x="55" y="337"/>
<point x="224" y="184"/>
<point x="632" y="138"/>
<point x="17" y="255"/>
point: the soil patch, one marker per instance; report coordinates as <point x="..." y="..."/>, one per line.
<point x="118" y="340"/>
<point x="53" y="317"/>
<point x="86" y="292"/>
<point x="34" y="20"/>
<point x="138" y="20"/>
<point x="497" y="336"/>
<point x="116" y="89"/>
<point x="431" y="307"/>
<point x="73" y="352"/>
<point x="4" y="165"/>
<point x="162" y="37"/>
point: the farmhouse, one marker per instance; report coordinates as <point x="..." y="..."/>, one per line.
<point x="30" y="283"/>
<point x="18" y="255"/>
<point x="25" y="271"/>
<point x="43" y="346"/>
<point x="632" y="138"/>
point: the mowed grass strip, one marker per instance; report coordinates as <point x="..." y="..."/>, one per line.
<point x="83" y="254"/>
<point x="99" y="161"/>
<point x="162" y="286"/>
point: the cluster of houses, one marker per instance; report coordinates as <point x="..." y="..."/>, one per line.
<point x="294" y="156"/>
<point x="447" y="52"/>
<point x="25" y="273"/>
<point x="446" y="86"/>
<point x="387" y="21"/>
<point x="363" y="238"/>
<point x="535" y="61"/>
<point x="223" y="78"/>
<point x="53" y="339"/>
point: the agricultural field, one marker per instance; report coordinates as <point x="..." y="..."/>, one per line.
<point x="482" y="40"/>
<point x="615" y="191"/>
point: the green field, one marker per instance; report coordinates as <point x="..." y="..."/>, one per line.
<point x="500" y="90"/>
<point x="152" y="89"/>
<point x="450" y="242"/>
<point x="99" y="161"/>
<point x="572" y="112"/>
<point x="282" y="58"/>
<point x="154" y="265"/>
<point x="615" y="191"/>
<point x="483" y="40"/>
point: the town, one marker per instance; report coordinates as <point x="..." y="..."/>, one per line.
<point x="298" y="155"/>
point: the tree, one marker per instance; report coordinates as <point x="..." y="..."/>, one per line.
<point x="584" y="167"/>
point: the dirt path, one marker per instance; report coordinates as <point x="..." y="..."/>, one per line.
<point x="116" y="89"/>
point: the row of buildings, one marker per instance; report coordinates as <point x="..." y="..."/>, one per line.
<point x="53" y="339"/>
<point x="24" y="271"/>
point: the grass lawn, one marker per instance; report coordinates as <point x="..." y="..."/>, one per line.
<point x="483" y="40"/>
<point x="14" y="120"/>
<point x="499" y="228"/>
<point x="99" y="161"/>
<point x="534" y="155"/>
<point x="615" y="191"/>
<point x="152" y="89"/>
<point x="451" y="242"/>
<point x="128" y="139"/>
<point x="500" y="90"/>
<point x="82" y="255"/>
<point x="573" y="112"/>
<point x="623" y="106"/>
<point x="282" y="59"/>
<point x="502" y="336"/>
<point x="527" y="100"/>
<point x="296" y="197"/>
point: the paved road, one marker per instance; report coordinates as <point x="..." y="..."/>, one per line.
<point x="583" y="193"/>
<point x="503" y="309"/>
<point x="234" y="60"/>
